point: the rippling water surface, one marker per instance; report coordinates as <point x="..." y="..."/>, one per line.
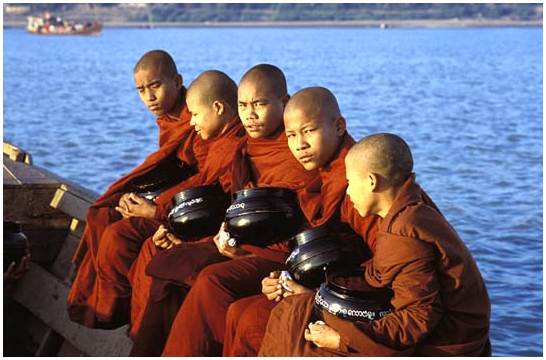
<point x="468" y="101"/>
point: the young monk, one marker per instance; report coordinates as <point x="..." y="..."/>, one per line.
<point x="212" y="102"/>
<point x="317" y="137"/>
<point x="98" y="297"/>
<point x="265" y="160"/>
<point x="440" y="302"/>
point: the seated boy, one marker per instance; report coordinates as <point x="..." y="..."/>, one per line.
<point x="98" y="297"/>
<point x="318" y="139"/>
<point x="440" y="302"/>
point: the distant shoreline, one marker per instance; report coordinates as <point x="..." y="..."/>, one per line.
<point x="428" y="23"/>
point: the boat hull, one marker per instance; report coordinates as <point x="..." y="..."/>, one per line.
<point x="91" y="31"/>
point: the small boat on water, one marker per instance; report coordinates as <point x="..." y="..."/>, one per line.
<point x="55" y="25"/>
<point x="51" y="211"/>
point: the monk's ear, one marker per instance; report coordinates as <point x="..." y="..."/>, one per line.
<point x="341" y="126"/>
<point x="178" y="81"/>
<point x="285" y="99"/>
<point x="219" y="107"/>
<point x="373" y="181"/>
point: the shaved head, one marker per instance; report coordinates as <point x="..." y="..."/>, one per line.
<point x="158" y="59"/>
<point x="158" y="83"/>
<point x="261" y="97"/>
<point x="385" y="154"/>
<point x="214" y="85"/>
<point x="316" y="102"/>
<point x="268" y="77"/>
<point x="313" y="126"/>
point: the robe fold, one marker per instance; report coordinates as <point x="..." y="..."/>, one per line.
<point x="198" y="328"/>
<point x="246" y="321"/>
<point x="216" y="169"/>
<point x="258" y="163"/>
<point x="247" y="318"/>
<point x="441" y="305"/>
<point x="93" y="300"/>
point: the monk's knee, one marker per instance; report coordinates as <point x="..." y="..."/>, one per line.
<point x="238" y="308"/>
<point x="209" y="277"/>
<point x="119" y="228"/>
<point x="234" y="314"/>
<point x="111" y="246"/>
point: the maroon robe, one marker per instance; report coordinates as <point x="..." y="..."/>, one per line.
<point x="441" y="305"/>
<point x="94" y="299"/>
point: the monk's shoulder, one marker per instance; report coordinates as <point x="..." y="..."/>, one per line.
<point x="422" y="222"/>
<point x="401" y="242"/>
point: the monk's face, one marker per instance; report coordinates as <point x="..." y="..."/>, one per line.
<point x="159" y="92"/>
<point x="205" y="118"/>
<point x="313" y="140"/>
<point x="359" y="190"/>
<point x="260" y="110"/>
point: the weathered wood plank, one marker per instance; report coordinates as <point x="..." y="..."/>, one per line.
<point x="28" y="200"/>
<point x="29" y="174"/>
<point x="80" y="191"/>
<point x="77" y="227"/>
<point x="9" y="177"/>
<point x="31" y="204"/>
<point x="50" y="344"/>
<point x="67" y="349"/>
<point x="51" y="309"/>
<point x="70" y="203"/>
<point x="16" y="154"/>
<point x="63" y="267"/>
<point x="63" y="263"/>
<point x="45" y="243"/>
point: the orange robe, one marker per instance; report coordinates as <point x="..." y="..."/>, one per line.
<point x="216" y="169"/>
<point x="261" y="162"/>
<point x="441" y="305"/>
<point x="246" y="319"/>
<point x="96" y="298"/>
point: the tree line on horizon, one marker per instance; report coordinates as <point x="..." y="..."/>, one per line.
<point x="188" y="12"/>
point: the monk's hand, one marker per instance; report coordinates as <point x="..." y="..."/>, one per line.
<point x="15" y="272"/>
<point x="132" y="205"/>
<point x="295" y="288"/>
<point x="164" y="239"/>
<point x="160" y="236"/>
<point x="227" y="246"/>
<point x="271" y="286"/>
<point x="173" y="240"/>
<point x="224" y="248"/>
<point x="141" y="207"/>
<point x="123" y="205"/>
<point x="322" y="335"/>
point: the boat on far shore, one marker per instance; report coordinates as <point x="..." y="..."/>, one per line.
<point x="55" y="25"/>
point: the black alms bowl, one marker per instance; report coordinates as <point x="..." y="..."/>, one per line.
<point x="351" y="298"/>
<point x="262" y="216"/>
<point x="166" y="174"/>
<point x="198" y="212"/>
<point x="314" y="250"/>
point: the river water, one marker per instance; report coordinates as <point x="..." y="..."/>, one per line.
<point x="468" y="101"/>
